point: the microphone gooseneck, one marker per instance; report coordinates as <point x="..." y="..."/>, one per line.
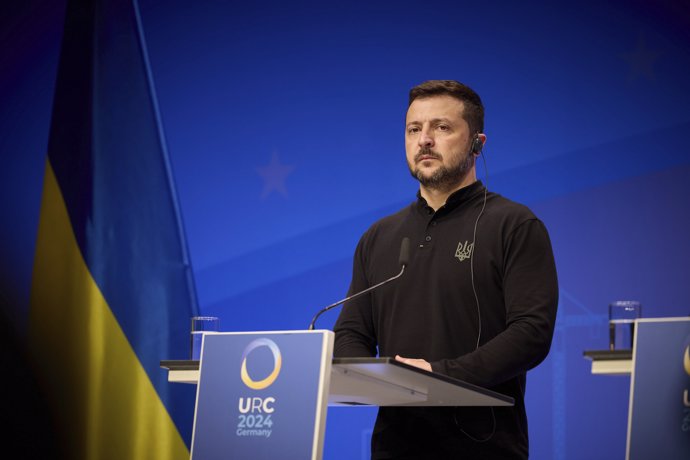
<point x="403" y="260"/>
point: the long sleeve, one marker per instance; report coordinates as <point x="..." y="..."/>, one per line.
<point x="530" y="294"/>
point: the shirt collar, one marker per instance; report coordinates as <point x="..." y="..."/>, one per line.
<point x="455" y="199"/>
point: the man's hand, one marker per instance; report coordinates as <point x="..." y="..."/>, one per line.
<point x="420" y="363"/>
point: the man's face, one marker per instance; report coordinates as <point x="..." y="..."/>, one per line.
<point x="437" y="142"/>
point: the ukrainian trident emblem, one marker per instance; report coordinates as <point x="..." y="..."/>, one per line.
<point x="464" y="250"/>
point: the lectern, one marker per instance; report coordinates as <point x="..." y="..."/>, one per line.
<point x="263" y="395"/>
<point x="659" y="406"/>
<point x="659" y="412"/>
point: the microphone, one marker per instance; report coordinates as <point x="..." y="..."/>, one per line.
<point x="403" y="260"/>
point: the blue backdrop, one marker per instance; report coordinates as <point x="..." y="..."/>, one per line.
<point x="284" y="124"/>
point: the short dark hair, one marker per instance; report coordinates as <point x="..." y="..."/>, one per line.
<point x="474" y="109"/>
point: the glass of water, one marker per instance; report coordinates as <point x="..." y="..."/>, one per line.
<point x="622" y="316"/>
<point x="201" y="325"/>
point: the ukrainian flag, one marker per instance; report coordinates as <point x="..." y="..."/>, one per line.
<point x="112" y="289"/>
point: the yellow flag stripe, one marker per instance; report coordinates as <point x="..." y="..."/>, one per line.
<point x="104" y="403"/>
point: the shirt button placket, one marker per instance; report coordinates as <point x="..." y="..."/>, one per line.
<point x="431" y="225"/>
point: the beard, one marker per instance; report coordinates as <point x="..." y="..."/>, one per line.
<point x="444" y="177"/>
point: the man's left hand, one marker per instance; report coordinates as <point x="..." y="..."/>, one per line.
<point x="420" y="363"/>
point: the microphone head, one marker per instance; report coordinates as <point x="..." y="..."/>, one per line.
<point x="404" y="252"/>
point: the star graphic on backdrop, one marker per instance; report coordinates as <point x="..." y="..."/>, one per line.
<point x="274" y="175"/>
<point x="641" y="60"/>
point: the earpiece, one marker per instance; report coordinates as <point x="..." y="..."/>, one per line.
<point x="477" y="145"/>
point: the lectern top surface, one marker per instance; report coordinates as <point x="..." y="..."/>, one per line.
<point x="387" y="382"/>
<point x="401" y="371"/>
<point x="603" y="355"/>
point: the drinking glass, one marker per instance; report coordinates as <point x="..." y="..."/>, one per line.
<point x="201" y="325"/>
<point x="622" y="316"/>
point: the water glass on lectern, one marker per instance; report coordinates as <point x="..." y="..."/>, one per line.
<point x="201" y="325"/>
<point x="622" y="316"/>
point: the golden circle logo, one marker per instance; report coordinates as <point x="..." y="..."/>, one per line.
<point x="277" y="362"/>
<point x="686" y="360"/>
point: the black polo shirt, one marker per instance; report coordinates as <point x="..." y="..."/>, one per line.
<point x="480" y="307"/>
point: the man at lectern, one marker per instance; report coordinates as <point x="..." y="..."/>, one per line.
<point x="477" y="301"/>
